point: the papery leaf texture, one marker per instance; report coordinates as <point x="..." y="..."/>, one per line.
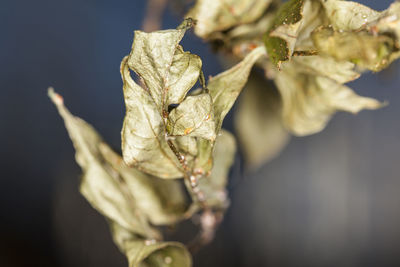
<point x="258" y="122"/>
<point x="215" y="16"/>
<point x="214" y="185"/>
<point x="149" y="252"/>
<point x="330" y="43"/>
<point x="161" y="110"/>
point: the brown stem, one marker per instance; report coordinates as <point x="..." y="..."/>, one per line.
<point x="153" y="18"/>
<point x="302" y="53"/>
<point x="209" y="221"/>
<point x="189" y="177"/>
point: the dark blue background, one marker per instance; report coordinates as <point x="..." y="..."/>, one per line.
<point x="330" y="200"/>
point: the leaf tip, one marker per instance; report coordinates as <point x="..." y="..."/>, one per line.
<point x="187" y="24"/>
<point x="55" y="98"/>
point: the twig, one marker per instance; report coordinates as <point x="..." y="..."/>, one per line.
<point x="189" y="177"/>
<point x="209" y="221"/>
<point x="153" y="18"/>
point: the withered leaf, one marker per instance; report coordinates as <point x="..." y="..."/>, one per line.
<point x="309" y="100"/>
<point x="101" y="184"/>
<point x="149" y="253"/>
<point x="168" y="73"/>
<point x="215" y="16"/>
<point x="163" y="202"/>
<point x="258" y="122"/>
<point x="214" y="185"/>
<point x="226" y="87"/>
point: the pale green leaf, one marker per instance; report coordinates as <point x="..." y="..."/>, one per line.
<point x="167" y="71"/>
<point x="150" y="253"/>
<point x="309" y="101"/>
<point x="348" y="15"/>
<point x="258" y="122"/>
<point x="216" y="16"/>
<point x="226" y="87"/>
<point x="361" y="47"/>
<point x="161" y="201"/>
<point x="214" y="185"/>
<point x="366" y="37"/>
<point x="193" y="117"/>
<point x="328" y="67"/>
<point x="101" y="184"/>
<point x="143" y="132"/>
<point x="167" y="74"/>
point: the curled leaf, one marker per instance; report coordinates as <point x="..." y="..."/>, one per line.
<point x="214" y="185"/>
<point x="327" y="44"/>
<point x="348" y="15"/>
<point x="362" y="48"/>
<point x="101" y="184"/>
<point x="168" y="73"/>
<point x="309" y="101"/>
<point x="226" y="87"/>
<point x="258" y="122"/>
<point x="366" y="37"/>
<point x="215" y="16"/>
<point x="143" y="133"/>
<point x="163" y="202"/>
<point x="193" y="117"/>
<point x="150" y="253"/>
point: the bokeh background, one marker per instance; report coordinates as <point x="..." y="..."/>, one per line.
<point x="331" y="199"/>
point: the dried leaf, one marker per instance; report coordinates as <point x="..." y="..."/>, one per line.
<point x="163" y="202"/>
<point x="348" y="15"/>
<point x="366" y="37"/>
<point x="214" y="185"/>
<point x="366" y="50"/>
<point x="226" y="87"/>
<point x="312" y="87"/>
<point x="143" y="133"/>
<point x="150" y="253"/>
<point x="258" y="122"/>
<point x="101" y="184"/>
<point x="215" y="16"/>
<point x="309" y="101"/>
<point x="168" y="73"/>
<point x="193" y="117"/>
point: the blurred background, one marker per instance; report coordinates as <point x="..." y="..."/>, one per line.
<point x="330" y="199"/>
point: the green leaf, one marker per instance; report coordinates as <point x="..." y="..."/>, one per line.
<point x="150" y="253"/>
<point x="309" y="101"/>
<point x="258" y="122"/>
<point x="214" y="185"/>
<point x="100" y="184"/>
<point x="226" y="87"/>
<point x="281" y="38"/>
<point x="216" y="16"/>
